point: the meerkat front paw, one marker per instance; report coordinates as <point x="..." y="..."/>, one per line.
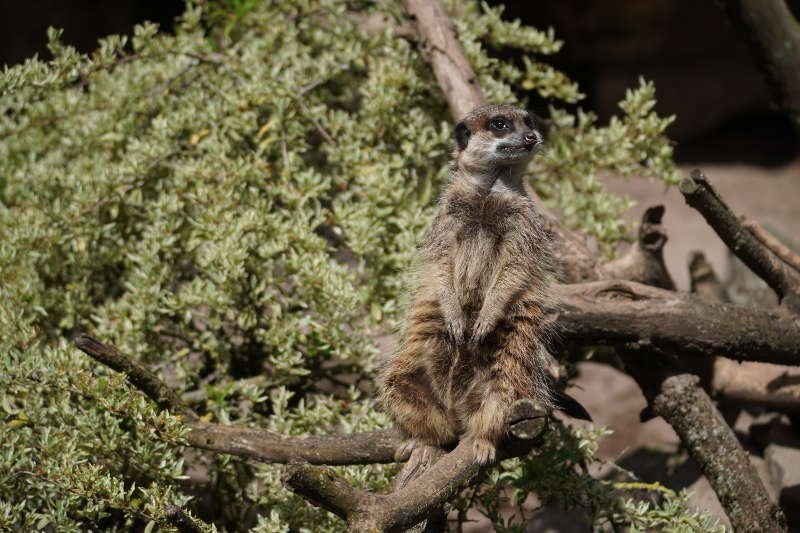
<point x="481" y="330"/>
<point x="457" y="329"/>
<point x="484" y="450"/>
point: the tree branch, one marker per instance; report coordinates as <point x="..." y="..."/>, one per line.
<point x="270" y="447"/>
<point x="412" y="503"/>
<point x="644" y="261"/>
<point x="773" y="34"/>
<point x="702" y="196"/>
<point x="744" y="384"/>
<point x="774" y="245"/>
<point x="139" y="376"/>
<point x="714" y="447"/>
<point x="619" y="312"/>
<point x="257" y="444"/>
<point x="450" y="65"/>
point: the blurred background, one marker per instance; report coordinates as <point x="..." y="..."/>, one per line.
<point x="726" y="125"/>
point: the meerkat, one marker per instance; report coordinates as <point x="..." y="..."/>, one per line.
<point x="476" y="333"/>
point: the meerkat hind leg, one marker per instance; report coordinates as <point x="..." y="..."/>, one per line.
<point x="414" y="406"/>
<point x="513" y="375"/>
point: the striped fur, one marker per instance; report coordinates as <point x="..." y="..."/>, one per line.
<point x="475" y="338"/>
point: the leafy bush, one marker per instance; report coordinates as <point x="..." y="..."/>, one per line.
<point x="236" y="205"/>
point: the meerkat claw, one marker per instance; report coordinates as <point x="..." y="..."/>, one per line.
<point x="404" y="450"/>
<point x="484" y="450"/>
<point x="456" y="329"/>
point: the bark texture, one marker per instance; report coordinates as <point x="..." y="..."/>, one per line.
<point x="713" y="445"/>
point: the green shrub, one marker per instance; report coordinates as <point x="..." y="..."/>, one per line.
<point x="236" y="206"/>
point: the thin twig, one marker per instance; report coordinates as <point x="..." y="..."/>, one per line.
<point x="775" y="246"/>
<point x="139" y="376"/>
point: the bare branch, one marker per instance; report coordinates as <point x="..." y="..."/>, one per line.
<point x="139" y="376"/>
<point x="257" y="444"/>
<point x="644" y="261"/>
<point x="270" y="447"/>
<point x="619" y="312"/>
<point x="704" y="281"/>
<point x="775" y="246"/>
<point x="414" y="501"/>
<point x="776" y="388"/>
<point x="702" y="196"/>
<point x="746" y="384"/>
<point x="774" y="37"/>
<point x="713" y="445"/>
<point x="324" y="489"/>
<point x="450" y="65"/>
<point x="677" y="397"/>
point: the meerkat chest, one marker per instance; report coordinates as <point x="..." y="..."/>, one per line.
<point x="481" y="229"/>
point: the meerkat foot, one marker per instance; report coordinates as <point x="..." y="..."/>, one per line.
<point x="484" y="450"/>
<point x="403" y="452"/>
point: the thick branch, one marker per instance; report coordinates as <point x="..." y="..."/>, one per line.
<point x="619" y="312"/>
<point x="450" y="65"/>
<point x="321" y="487"/>
<point x="745" y="384"/>
<point x="270" y="447"/>
<point x="713" y="445"/>
<point x="774" y="37"/>
<point x="752" y="385"/>
<point x="251" y="443"/>
<point x="416" y="500"/>
<point x="702" y="196"/>
<point x="677" y="397"/>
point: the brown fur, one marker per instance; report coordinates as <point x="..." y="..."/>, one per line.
<point x="475" y="337"/>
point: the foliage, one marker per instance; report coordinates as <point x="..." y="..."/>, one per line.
<point x="236" y="205"/>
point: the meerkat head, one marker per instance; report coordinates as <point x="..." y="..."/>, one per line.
<point x="495" y="137"/>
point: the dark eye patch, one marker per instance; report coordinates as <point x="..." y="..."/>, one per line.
<point x="499" y="124"/>
<point x="462" y="135"/>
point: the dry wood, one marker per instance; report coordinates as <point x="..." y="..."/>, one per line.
<point x="644" y="261"/>
<point x="774" y="245"/>
<point x="701" y="195"/>
<point x="450" y="65"/>
<point x="412" y="503"/>
<point x="714" y="447"/>
<point x="620" y="312"/>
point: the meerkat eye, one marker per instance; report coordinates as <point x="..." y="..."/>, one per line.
<point x="528" y="121"/>
<point x="498" y="124"/>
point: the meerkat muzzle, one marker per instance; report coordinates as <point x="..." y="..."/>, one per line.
<point x="532" y="138"/>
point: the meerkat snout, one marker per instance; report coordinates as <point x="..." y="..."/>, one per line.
<point x="532" y="138"/>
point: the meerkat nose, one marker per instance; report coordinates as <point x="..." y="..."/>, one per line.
<point x="531" y="137"/>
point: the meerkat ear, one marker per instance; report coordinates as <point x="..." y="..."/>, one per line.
<point x="462" y="134"/>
